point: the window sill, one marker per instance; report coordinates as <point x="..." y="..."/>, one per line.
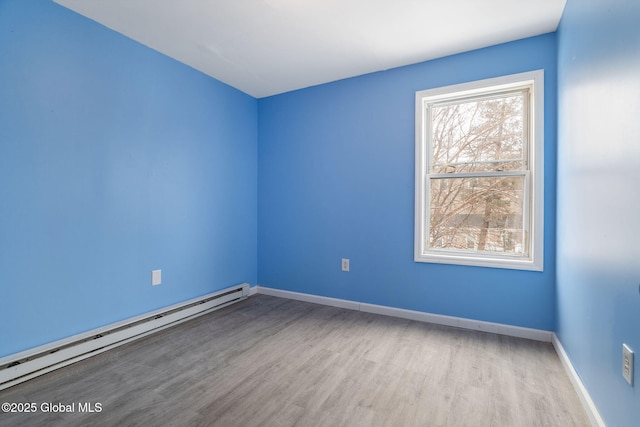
<point x="480" y="261"/>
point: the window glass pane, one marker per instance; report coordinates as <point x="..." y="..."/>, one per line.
<point x="479" y="135"/>
<point x="478" y="214"/>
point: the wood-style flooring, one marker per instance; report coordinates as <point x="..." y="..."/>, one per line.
<point x="268" y="361"/>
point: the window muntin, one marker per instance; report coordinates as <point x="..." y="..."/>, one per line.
<point x="478" y="196"/>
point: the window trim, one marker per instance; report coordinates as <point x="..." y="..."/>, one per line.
<point x="535" y="173"/>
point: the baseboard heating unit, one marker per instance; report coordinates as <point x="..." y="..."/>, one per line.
<point x="20" y="367"/>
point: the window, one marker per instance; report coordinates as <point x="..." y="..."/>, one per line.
<point x="479" y="173"/>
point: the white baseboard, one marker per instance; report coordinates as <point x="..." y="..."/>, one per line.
<point x="458" y="322"/>
<point x="583" y="394"/>
<point x="333" y="302"/>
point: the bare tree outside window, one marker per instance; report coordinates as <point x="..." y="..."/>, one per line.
<point x="478" y="213"/>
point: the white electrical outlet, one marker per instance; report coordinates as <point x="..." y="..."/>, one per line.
<point x="345" y="264"/>
<point x="156" y="277"/>
<point x="627" y="363"/>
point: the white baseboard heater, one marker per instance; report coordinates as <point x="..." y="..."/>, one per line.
<point x="20" y="367"/>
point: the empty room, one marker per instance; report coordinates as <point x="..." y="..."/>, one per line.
<point x="319" y="213"/>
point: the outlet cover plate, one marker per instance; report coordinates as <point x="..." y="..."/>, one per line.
<point x="156" y="277"/>
<point x="627" y="363"/>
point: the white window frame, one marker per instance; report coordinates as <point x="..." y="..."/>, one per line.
<point x="533" y="205"/>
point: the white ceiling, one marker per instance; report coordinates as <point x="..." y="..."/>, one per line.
<point x="266" y="47"/>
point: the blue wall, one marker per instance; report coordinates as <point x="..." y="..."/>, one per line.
<point x="598" y="199"/>
<point x="114" y="160"/>
<point x="336" y="180"/>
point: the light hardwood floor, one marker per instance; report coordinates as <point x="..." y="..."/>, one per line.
<point x="269" y="361"/>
